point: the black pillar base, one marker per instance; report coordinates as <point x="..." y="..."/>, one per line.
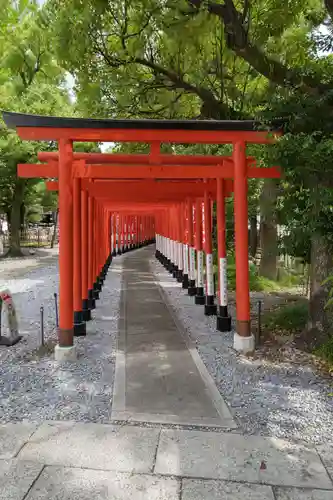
<point x="175" y="271"/>
<point x="86" y="312"/>
<point x="9" y="342"/>
<point x="200" y="298"/>
<point x="223" y="323"/>
<point x="119" y="252"/>
<point x="210" y="307"/>
<point x="98" y="285"/>
<point x="185" y="281"/>
<point x="180" y="276"/>
<point x="79" y="329"/>
<point x="114" y="253"/>
<point x="95" y="293"/>
<point x="191" y="288"/>
<point x="223" y="320"/>
<point x="91" y="299"/>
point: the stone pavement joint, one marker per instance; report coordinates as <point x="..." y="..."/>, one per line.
<point x="13" y="437"/>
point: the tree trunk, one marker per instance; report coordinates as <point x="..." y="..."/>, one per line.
<point x="22" y="214"/>
<point x="253" y="236"/>
<point x="319" y="327"/>
<point x="15" y="220"/>
<point x="268" y="230"/>
<point x="321" y="268"/>
<point x="54" y="235"/>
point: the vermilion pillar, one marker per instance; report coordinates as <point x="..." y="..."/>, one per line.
<point x="65" y="347"/>
<point x="168" y="252"/>
<point x="180" y="244"/>
<point x="91" y="296"/>
<point x="131" y="232"/>
<point x="223" y="322"/>
<point x="108" y="241"/>
<point x="200" y="295"/>
<point x="114" y="234"/>
<point x="180" y="261"/>
<point x="243" y="340"/>
<point x="96" y="247"/>
<point x="125" y="233"/>
<point x="174" y="228"/>
<point x="185" y="247"/>
<point x="191" y="287"/>
<point x="86" y="311"/>
<point x="210" y="306"/>
<point x="171" y="240"/>
<point x="79" y="324"/>
<point x="120" y="234"/>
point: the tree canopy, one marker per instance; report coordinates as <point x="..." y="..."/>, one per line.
<point x="222" y="59"/>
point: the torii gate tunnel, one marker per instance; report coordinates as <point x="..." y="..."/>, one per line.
<point x="112" y="203"/>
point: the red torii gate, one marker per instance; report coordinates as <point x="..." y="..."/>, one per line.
<point x="94" y="174"/>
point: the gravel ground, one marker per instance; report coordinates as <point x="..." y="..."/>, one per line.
<point x="32" y="258"/>
<point x="33" y="386"/>
<point x="284" y="400"/>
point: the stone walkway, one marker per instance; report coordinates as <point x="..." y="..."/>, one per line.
<point x="66" y="461"/>
<point x="158" y="377"/>
<point x="171" y="436"/>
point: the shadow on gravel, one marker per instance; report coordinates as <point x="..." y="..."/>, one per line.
<point x="282" y="399"/>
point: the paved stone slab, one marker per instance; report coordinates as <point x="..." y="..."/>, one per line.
<point x="302" y="494"/>
<point x="16" y="478"/>
<point x="13" y="437"/>
<point x="252" y="459"/>
<point x="82" y="484"/>
<point x="158" y="378"/>
<point x="94" y="446"/>
<point x="326" y="453"/>
<point x="194" y="489"/>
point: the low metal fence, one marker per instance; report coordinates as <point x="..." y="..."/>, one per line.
<point x="34" y="237"/>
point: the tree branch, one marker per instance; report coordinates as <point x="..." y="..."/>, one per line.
<point x="237" y="40"/>
<point x="215" y="109"/>
<point x="212" y="107"/>
<point x="329" y="7"/>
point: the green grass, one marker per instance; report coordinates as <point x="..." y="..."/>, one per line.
<point x="325" y="351"/>
<point x="290" y="318"/>
<point x="259" y="283"/>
